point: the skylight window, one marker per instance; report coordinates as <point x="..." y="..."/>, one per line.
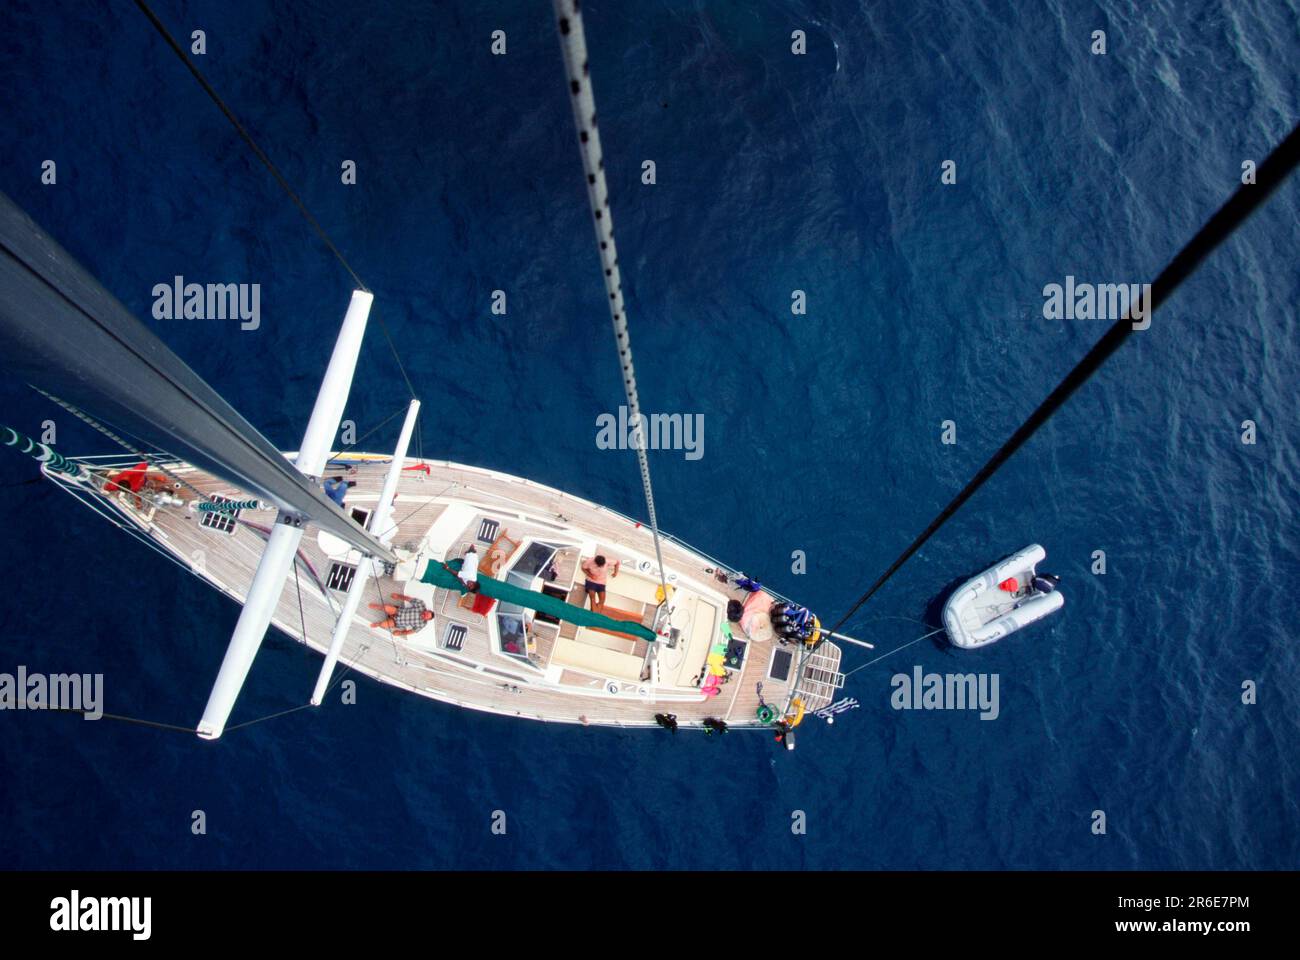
<point x="218" y="519"/>
<point x="340" y="577"/>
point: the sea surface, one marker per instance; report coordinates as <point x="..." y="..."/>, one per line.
<point x="774" y="173"/>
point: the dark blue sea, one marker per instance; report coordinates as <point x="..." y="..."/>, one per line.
<point x="775" y="173"/>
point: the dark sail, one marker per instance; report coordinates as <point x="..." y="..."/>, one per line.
<point x="61" y="331"/>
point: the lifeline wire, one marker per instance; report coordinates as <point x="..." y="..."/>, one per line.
<point x="1249" y="197"/>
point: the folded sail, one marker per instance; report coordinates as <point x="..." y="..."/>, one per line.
<point x="444" y="575"/>
<point x="60" y="330"/>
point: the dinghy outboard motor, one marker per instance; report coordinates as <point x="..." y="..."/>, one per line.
<point x="1045" y="582"/>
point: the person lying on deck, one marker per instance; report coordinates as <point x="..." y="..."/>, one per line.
<point x="596" y="570"/>
<point x="407" y="616"/>
<point x="469" y="570"/>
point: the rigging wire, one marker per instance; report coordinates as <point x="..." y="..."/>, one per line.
<point x="275" y="172"/>
<point x="345" y="448"/>
<point x="410" y="516"/>
<point x="1247" y="198"/>
<point x="302" y="613"/>
<point x="137" y="451"/>
<point x="248" y="139"/>
<point x="1226" y="220"/>
<point x="573" y="43"/>
<point x="86" y="499"/>
<point x="71" y="487"/>
<point x="159" y="725"/>
<point x="379" y="592"/>
<point x="85" y="711"/>
<point x="892" y="652"/>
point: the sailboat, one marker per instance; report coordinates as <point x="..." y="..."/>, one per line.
<point x="376" y="579"/>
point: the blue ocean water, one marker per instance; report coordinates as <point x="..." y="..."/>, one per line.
<point x="775" y="172"/>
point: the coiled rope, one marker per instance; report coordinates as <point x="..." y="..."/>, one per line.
<point x="1245" y="201"/>
<point x="573" y="43"/>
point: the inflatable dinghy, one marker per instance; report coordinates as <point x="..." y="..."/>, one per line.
<point x="999" y="601"/>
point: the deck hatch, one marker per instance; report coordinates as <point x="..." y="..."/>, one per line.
<point x="340" y="577"/>
<point x="487" y="531"/>
<point x="735" y="656"/>
<point x="220" y="520"/>
<point x="454" y="638"/>
<point x="779" y="668"/>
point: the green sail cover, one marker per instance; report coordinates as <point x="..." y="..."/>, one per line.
<point x="444" y="575"/>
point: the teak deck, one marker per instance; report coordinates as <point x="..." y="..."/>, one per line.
<point x="474" y="675"/>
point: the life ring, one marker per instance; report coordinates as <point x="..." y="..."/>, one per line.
<point x="765" y="714"/>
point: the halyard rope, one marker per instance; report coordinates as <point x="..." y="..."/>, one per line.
<point x="573" y="43"/>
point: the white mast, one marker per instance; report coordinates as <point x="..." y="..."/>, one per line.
<point x="282" y="545"/>
<point x="380" y="520"/>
